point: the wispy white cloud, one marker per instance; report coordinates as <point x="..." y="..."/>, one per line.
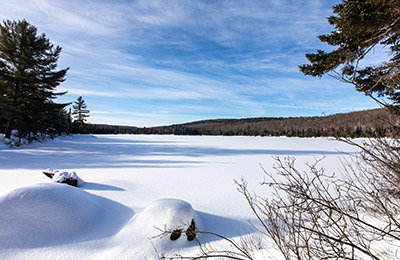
<point x="165" y="61"/>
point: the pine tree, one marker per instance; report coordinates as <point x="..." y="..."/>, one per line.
<point x="80" y="112"/>
<point x="28" y="77"/>
<point x="360" y="26"/>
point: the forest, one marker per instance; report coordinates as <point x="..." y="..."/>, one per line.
<point x="368" y="123"/>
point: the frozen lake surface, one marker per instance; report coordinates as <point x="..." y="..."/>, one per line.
<point x="133" y="183"/>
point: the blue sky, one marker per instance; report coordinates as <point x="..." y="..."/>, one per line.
<point x="160" y="62"/>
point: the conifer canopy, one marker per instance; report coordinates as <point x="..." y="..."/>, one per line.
<point x="28" y="77"/>
<point x="80" y="111"/>
<point x="360" y="26"/>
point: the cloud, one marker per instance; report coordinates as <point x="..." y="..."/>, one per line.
<point x="166" y="61"/>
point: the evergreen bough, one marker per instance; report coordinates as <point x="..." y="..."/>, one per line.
<point x="361" y="26"/>
<point x="28" y="78"/>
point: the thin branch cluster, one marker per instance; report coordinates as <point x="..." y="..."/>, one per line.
<point x="316" y="215"/>
<point x="320" y="215"/>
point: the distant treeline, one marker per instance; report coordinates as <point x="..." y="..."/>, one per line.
<point x="369" y="123"/>
<point x="106" y="129"/>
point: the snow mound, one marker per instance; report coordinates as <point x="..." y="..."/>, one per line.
<point x="51" y="214"/>
<point x="167" y="214"/>
<point x="145" y="231"/>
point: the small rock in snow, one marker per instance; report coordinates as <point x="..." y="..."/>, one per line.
<point x="191" y="231"/>
<point x="176" y="234"/>
<point x="70" y="178"/>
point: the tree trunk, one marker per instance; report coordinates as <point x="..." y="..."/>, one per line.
<point x="10" y="126"/>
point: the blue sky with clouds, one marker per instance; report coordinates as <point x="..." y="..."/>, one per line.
<point x="159" y="62"/>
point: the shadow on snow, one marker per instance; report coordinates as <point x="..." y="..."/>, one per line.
<point x="96" y="152"/>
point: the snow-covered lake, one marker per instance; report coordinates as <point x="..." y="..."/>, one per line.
<point x="109" y="217"/>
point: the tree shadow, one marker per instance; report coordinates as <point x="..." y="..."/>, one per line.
<point x="87" y="151"/>
<point x="222" y="226"/>
<point x="99" y="186"/>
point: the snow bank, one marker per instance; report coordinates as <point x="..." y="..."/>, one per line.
<point x="167" y="214"/>
<point x="53" y="214"/>
<point x="15" y="141"/>
<point x="145" y="231"/>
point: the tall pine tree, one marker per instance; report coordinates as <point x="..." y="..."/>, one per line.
<point x="359" y="27"/>
<point x="80" y="111"/>
<point x="28" y="77"/>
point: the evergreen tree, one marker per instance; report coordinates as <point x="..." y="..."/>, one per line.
<point x="28" y="77"/>
<point x="80" y="112"/>
<point x="360" y="26"/>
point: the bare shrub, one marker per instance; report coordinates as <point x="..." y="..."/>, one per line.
<point x="318" y="215"/>
<point x="241" y="249"/>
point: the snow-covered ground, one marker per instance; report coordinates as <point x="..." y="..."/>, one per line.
<point x="132" y="184"/>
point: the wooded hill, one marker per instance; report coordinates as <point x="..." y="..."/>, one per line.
<point x="368" y="123"/>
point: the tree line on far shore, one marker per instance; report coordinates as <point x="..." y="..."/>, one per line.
<point x="368" y="123"/>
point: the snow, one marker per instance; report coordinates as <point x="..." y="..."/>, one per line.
<point x="169" y="214"/>
<point x="135" y="187"/>
<point x="62" y="176"/>
<point x="50" y="214"/>
<point x="15" y="141"/>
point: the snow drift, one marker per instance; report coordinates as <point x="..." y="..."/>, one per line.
<point x="168" y="215"/>
<point x="52" y="214"/>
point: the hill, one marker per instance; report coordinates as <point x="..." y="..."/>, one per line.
<point x="368" y="123"/>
